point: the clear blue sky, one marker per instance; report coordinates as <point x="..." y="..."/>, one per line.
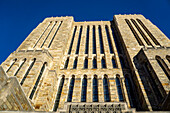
<point x="19" y="17"/>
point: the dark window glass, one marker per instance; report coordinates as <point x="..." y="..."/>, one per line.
<point x="94" y="63"/>
<point x="66" y="63"/>
<point x="12" y="64"/>
<point x="20" y="66"/>
<point x="106" y="90"/>
<point x="101" y="40"/>
<point x="94" y="40"/>
<point x="86" y="63"/>
<point x="122" y="62"/>
<point x="57" y="100"/>
<point x="84" y="90"/>
<point x="114" y="63"/>
<point x="119" y="89"/>
<point x="103" y="63"/>
<point x="87" y="41"/>
<point x="72" y="40"/>
<point x="95" y="90"/>
<point x="75" y="63"/>
<point x="109" y="39"/>
<point x="79" y="39"/>
<point x="70" y="93"/>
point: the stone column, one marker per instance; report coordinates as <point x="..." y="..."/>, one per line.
<point x="89" y="97"/>
<point x="100" y="89"/>
<point x="77" y="90"/>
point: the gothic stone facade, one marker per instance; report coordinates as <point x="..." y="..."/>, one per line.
<point x="94" y="66"/>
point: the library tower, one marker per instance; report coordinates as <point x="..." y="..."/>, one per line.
<point x="63" y="66"/>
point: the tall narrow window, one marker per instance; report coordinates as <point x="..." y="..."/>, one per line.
<point x="94" y="40"/>
<point x="119" y="89"/>
<point x="106" y="89"/>
<point x="79" y="40"/>
<point x="130" y="92"/>
<point x="75" y="63"/>
<point x="94" y="63"/>
<point x="84" y="89"/>
<point x="134" y="32"/>
<point x="66" y="63"/>
<point x="13" y="62"/>
<point x="30" y="67"/>
<point x="163" y="65"/>
<point x="109" y="39"/>
<point x="122" y="62"/>
<point x="101" y="40"/>
<point x="57" y="100"/>
<point x="55" y="34"/>
<point x="114" y="63"/>
<point x="20" y="66"/>
<point x="148" y="32"/>
<point x="141" y="32"/>
<point x="70" y="93"/>
<point x="87" y="41"/>
<point x="103" y="62"/>
<point x="38" y="80"/>
<point x="168" y="58"/>
<point x="72" y="40"/>
<point x="86" y="63"/>
<point x="95" y="89"/>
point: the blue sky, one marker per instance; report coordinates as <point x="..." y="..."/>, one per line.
<point x="19" y="17"/>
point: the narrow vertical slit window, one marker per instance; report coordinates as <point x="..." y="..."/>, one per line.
<point x="20" y="66"/>
<point x="55" y="34"/>
<point x="13" y="62"/>
<point x="75" y="63"/>
<point x="94" y="63"/>
<point x="119" y="89"/>
<point x="38" y="80"/>
<point x="79" y="40"/>
<point x="109" y="39"/>
<point x="95" y="89"/>
<point x="130" y="92"/>
<point x="163" y="65"/>
<point x="94" y="40"/>
<point x="48" y="35"/>
<point x="84" y="89"/>
<point x="57" y="100"/>
<point x="141" y="32"/>
<point x="114" y="63"/>
<point x="122" y="62"/>
<point x="30" y="67"/>
<point x="101" y="40"/>
<point x="134" y="32"/>
<point x="66" y="63"/>
<point x="86" y="63"/>
<point x="148" y="32"/>
<point x="168" y="58"/>
<point x="70" y="93"/>
<point x="106" y="89"/>
<point x="72" y="40"/>
<point x="87" y="41"/>
<point x="103" y="62"/>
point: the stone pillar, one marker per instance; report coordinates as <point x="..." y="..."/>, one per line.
<point x="113" y="90"/>
<point x="100" y="89"/>
<point x="97" y="48"/>
<point x="89" y="97"/>
<point x="77" y="90"/>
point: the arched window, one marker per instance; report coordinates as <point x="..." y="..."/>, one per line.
<point x="25" y="76"/>
<point x="84" y="89"/>
<point x="122" y="62"/>
<point x="103" y="62"/>
<point x="119" y="89"/>
<point x="148" y="32"/>
<point x="75" y="63"/>
<point x="72" y="40"/>
<point x="57" y="100"/>
<point x="134" y="33"/>
<point x="87" y="41"/>
<point x="86" y="63"/>
<point x="94" y="63"/>
<point x="163" y="65"/>
<point x="13" y="62"/>
<point x="38" y="80"/>
<point x="79" y="40"/>
<point x="141" y="32"/>
<point x="66" y="63"/>
<point x="70" y="93"/>
<point x="114" y="63"/>
<point x="94" y="40"/>
<point x="20" y="66"/>
<point x="101" y="40"/>
<point x="168" y="58"/>
<point x="109" y="39"/>
<point x="130" y="91"/>
<point x="106" y="89"/>
<point x="95" y="89"/>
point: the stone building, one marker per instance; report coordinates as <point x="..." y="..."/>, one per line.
<point x="92" y="66"/>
